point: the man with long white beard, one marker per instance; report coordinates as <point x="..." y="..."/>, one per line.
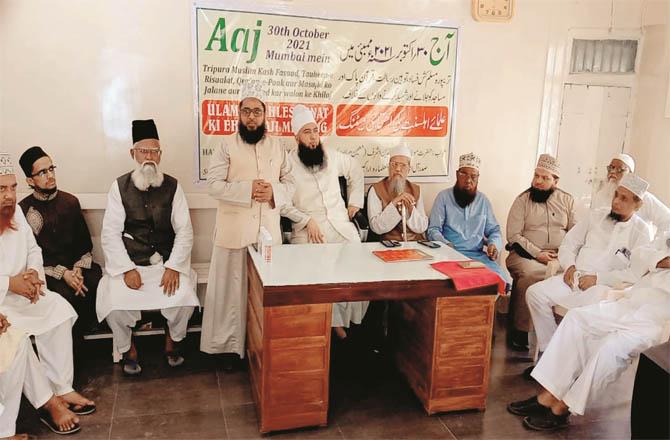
<point x="595" y="255"/>
<point x="537" y="222"/>
<point x="317" y="209"/>
<point x="653" y="211"/>
<point x="250" y="177"/>
<point x="463" y="218"/>
<point x="34" y="310"/>
<point x="394" y="195"/>
<point x="146" y="239"/>
<point x="595" y="344"/>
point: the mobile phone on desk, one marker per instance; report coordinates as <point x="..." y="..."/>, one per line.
<point x="390" y="243"/>
<point x="430" y="244"/>
<point x="471" y="264"/>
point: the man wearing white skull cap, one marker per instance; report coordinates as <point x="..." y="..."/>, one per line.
<point x="596" y="257"/>
<point x="34" y="310"/>
<point x="317" y="209"/>
<point x="595" y="344"/>
<point x="394" y="195"/>
<point x="537" y="222"/>
<point x="653" y="210"/>
<point x="250" y="177"/>
<point x="463" y="217"/>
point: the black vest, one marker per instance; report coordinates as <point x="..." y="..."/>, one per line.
<point x="148" y="219"/>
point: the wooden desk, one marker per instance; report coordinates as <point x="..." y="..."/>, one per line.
<point x="443" y="337"/>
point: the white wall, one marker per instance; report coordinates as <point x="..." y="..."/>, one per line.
<point x="650" y="141"/>
<point x="75" y="73"/>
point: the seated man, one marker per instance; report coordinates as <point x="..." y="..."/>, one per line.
<point x="537" y="222"/>
<point x="595" y="255"/>
<point x="60" y="230"/>
<point x="147" y="239"/>
<point x="393" y="195"/>
<point x="463" y="218"/>
<point x="20" y="370"/>
<point x="30" y="307"/>
<point x="595" y="344"/>
<point x="317" y="209"/>
<point x="653" y="211"/>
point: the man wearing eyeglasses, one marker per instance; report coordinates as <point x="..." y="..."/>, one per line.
<point x="463" y="218"/>
<point x="394" y="196"/>
<point x="60" y="230"/>
<point x="146" y="239"/>
<point x="35" y="310"/>
<point x="653" y="211"/>
<point x="250" y="178"/>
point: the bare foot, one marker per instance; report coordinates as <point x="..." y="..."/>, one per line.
<point x="75" y="399"/>
<point x="16" y="437"/>
<point x="60" y="414"/>
<point x="340" y="332"/>
<point x="169" y="343"/>
<point x="132" y="353"/>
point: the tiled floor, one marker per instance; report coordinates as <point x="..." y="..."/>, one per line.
<point x="368" y="400"/>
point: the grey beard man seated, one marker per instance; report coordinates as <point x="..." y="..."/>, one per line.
<point x="147" y="239"/>
<point x="595" y="344"/>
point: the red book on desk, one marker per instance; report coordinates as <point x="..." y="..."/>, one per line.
<point x="397" y="255"/>
<point x="469" y="278"/>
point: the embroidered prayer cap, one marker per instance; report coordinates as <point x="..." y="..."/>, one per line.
<point x="401" y="150"/>
<point x="6" y="166"/>
<point x="29" y="157"/>
<point x="144" y="129"/>
<point x="549" y="163"/>
<point x="252" y="88"/>
<point x="470" y="160"/>
<point x="627" y="159"/>
<point x="301" y="117"/>
<point x="634" y="184"/>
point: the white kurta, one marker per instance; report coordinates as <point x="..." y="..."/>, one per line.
<point x="652" y="210"/>
<point x="113" y="294"/>
<point x="19" y="252"/>
<point x="317" y="196"/>
<point x="225" y="314"/>
<point x="595" y="246"/>
<point x="595" y="344"/>
<point x="20" y="371"/>
<point x="382" y="221"/>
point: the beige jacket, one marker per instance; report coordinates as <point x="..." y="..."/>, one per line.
<point x="540" y="226"/>
<point x="232" y="169"/>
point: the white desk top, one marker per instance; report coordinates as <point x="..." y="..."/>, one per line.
<point x="306" y="264"/>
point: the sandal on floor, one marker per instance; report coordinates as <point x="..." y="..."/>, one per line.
<point x="83" y="410"/>
<point x="46" y="418"/>
<point x="131" y="367"/>
<point x="174" y="359"/>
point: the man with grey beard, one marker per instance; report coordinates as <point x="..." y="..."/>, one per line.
<point x="653" y="210"/>
<point x="394" y="196"/>
<point x="147" y="239"/>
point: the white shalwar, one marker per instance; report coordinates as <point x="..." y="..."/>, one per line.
<point x="50" y="319"/>
<point x="22" y="372"/>
<point x="317" y="196"/>
<point x="595" y="246"/>
<point x="652" y="210"/>
<point x="595" y="344"/>
<point x="121" y="305"/>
